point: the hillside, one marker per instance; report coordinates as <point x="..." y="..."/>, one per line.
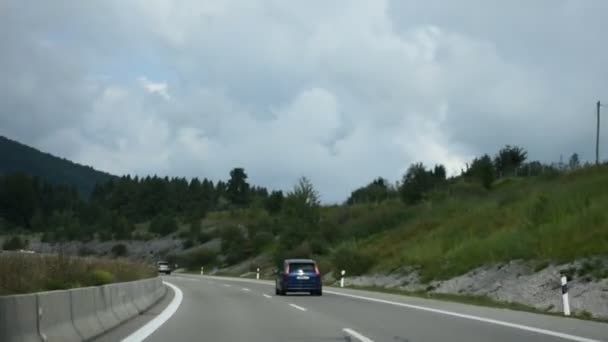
<point x="548" y="218"/>
<point x="17" y="157"/>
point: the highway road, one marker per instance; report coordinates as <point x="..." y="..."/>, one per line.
<point x="229" y="309"/>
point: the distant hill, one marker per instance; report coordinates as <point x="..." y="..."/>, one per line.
<point x="16" y="157"/>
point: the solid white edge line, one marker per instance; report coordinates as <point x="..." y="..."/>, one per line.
<point x="471" y="317"/>
<point x="443" y="312"/>
<point x="267" y="296"/>
<point x="297" y="307"/>
<point x="159" y="320"/>
<point x="356" y="335"/>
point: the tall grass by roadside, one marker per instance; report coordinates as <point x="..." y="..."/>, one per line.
<point x="26" y="273"/>
<point x="557" y="219"/>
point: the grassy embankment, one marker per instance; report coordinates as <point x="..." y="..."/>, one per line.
<point x="26" y="273"/>
<point x="551" y="218"/>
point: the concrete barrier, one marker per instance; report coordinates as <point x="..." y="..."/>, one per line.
<point x="103" y="306"/>
<point x="55" y="320"/>
<point x="138" y="291"/>
<point x="75" y="315"/>
<point x="84" y="312"/>
<point x="121" y="302"/>
<point x="19" y="319"/>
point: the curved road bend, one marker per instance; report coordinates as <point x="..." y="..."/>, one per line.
<point x="228" y="309"/>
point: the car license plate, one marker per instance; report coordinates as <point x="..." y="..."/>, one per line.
<point x="302" y="277"/>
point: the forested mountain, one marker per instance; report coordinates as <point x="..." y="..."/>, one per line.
<point x="16" y="157"/>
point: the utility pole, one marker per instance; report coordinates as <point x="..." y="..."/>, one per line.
<point x="597" y="136"/>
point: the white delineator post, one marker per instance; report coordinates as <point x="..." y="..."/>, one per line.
<point x="202" y="270"/>
<point x="342" y="278"/>
<point x="257" y="275"/>
<point x="565" y="296"/>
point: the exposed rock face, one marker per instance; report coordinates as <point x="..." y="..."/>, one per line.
<point x="517" y="282"/>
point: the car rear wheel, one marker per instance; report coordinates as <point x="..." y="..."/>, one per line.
<point x="276" y="291"/>
<point x="317" y="293"/>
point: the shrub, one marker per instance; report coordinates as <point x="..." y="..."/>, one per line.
<point x="204" y="237"/>
<point x="195" y="259"/>
<point x="14" y="243"/>
<point x="349" y="257"/>
<point x="86" y="251"/>
<point x="120" y="250"/>
<point x="188" y="244"/>
<point x="262" y="239"/>
<point x="101" y="277"/>
<point x="163" y="225"/>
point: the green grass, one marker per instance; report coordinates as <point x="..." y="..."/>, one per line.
<point x="559" y="219"/>
<point x="548" y="219"/>
<point x="27" y="273"/>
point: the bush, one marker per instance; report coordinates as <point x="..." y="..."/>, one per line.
<point x="188" y="244"/>
<point x="14" y="243"/>
<point x="197" y="258"/>
<point x="101" y="277"/>
<point x="349" y="257"/>
<point x="86" y="251"/>
<point x="204" y="237"/>
<point x="163" y="225"/>
<point x="120" y="250"/>
<point x="262" y="239"/>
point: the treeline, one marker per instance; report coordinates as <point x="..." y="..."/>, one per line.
<point x="140" y="199"/>
<point x="419" y="180"/>
<point x="114" y="208"/>
<point x="29" y="204"/>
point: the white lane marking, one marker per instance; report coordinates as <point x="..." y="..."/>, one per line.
<point x="159" y="320"/>
<point x="245" y="289"/>
<point x="356" y="335"/>
<point x="297" y="307"/>
<point x="227" y="285"/>
<point x="471" y="317"/>
<point x="185" y="278"/>
<point x="449" y="313"/>
<point x="267" y="296"/>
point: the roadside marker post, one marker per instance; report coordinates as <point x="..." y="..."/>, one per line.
<point x="565" y="296"/>
<point x="202" y="270"/>
<point x="257" y="275"/>
<point x="342" y="278"/>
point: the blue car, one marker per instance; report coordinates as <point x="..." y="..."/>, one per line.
<point x="298" y="275"/>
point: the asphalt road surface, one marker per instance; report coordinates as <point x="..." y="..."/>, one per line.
<point x="229" y="309"/>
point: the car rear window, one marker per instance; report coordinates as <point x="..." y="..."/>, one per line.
<point x="305" y="267"/>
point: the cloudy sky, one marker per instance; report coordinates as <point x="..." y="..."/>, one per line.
<point x="338" y="91"/>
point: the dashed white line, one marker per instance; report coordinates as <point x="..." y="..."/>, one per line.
<point x="159" y="320"/>
<point x="356" y="335"/>
<point x="297" y="307"/>
<point x="227" y="285"/>
<point x="185" y="278"/>
<point x="471" y="317"/>
<point x="245" y="289"/>
<point x="267" y="296"/>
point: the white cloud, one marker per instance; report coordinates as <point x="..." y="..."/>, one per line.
<point x="160" y="88"/>
<point x="341" y="92"/>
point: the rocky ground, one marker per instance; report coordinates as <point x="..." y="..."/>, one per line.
<point x="521" y="282"/>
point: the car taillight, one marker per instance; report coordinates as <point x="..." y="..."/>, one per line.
<point x="317" y="270"/>
<point x="287" y="269"/>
